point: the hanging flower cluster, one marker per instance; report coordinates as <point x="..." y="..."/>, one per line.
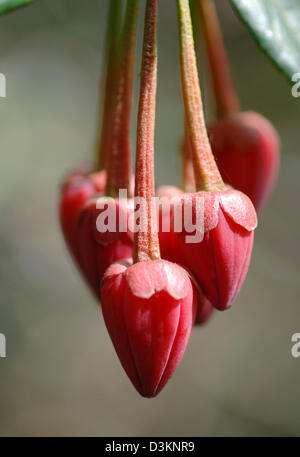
<point x="159" y="269"/>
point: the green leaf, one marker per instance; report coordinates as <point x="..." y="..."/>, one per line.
<point x="275" y="24"/>
<point x="8" y="5"/>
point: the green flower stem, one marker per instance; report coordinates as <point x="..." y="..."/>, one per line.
<point x="207" y="175"/>
<point x="188" y="177"/>
<point x="118" y="165"/>
<point x="110" y="78"/>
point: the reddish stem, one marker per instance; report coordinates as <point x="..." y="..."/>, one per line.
<point x="188" y="177"/>
<point x="225" y="94"/>
<point x="111" y="58"/>
<point x="207" y="175"/>
<point x="118" y="164"/>
<point x="146" y="238"/>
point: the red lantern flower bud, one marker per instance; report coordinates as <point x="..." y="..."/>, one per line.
<point x="204" y="309"/>
<point x="77" y="188"/>
<point x="103" y="236"/>
<point x="219" y="254"/>
<point x="167" y="238"/>
<point x="247" y="150"/>
<point x="148" y="309"/>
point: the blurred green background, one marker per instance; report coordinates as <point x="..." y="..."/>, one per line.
<point x="61" y="375"/>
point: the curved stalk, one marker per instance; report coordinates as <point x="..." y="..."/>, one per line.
<point x="188" y="177"/>
<point x="118" y="165"/>
<point x="207" y="175"/>
<point x="146" y="246"/>
<point x="111" y="64"/>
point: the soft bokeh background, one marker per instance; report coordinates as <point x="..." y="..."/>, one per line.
<point x="61" y="375"/>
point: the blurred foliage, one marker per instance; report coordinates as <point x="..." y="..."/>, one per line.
<point x="276" y="27"/>
<point x="9" y="5"/>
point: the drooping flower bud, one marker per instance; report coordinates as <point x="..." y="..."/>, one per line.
<point x="247" y="150"/>
<point x="167" y="239"/>
<point x="77" y="188"/>
<point x="204" y="311"/>
<point x="103" y="236"/>
<point x="219" y="252"/>
<point x="148" y="309"/>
